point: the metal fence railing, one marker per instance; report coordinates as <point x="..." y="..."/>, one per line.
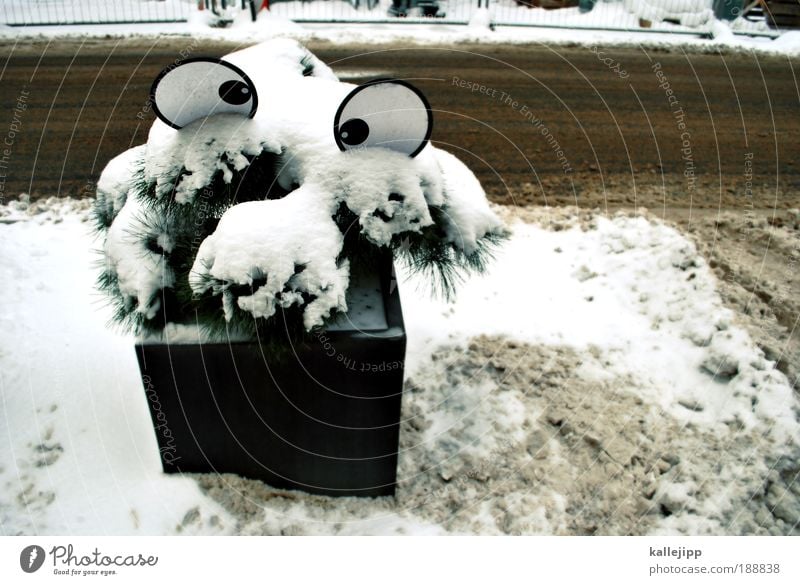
<point x="397" y="11"/>
<point x="53" y="12"/>
<point x="680" y="16"/>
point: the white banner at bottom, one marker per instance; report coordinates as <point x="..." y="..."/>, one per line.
<point x="388" y="560"/>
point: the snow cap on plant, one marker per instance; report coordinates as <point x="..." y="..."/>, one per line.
<point x="265" y="181"/>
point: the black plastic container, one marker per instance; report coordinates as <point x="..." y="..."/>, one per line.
<point x="324" y="418"/>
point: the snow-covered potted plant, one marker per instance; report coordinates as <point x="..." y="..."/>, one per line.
<point x="249" y="245"/>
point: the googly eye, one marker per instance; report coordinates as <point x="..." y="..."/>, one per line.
<point x="201" y="87"/>
<point x="387" y="113"/>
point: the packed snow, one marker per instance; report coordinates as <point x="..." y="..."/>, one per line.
<point x="608" y="344"/>
<point x="78" y="455"/>
<point x="290" y="241"/>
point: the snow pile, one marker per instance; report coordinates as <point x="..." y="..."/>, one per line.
<point x="202" y="20"/>
<point x="593" y="383"/>
<point x="788" y="43"/>
<point x="721" y="31"/>
<point x="482" y="18"/>
<point x="289" y="244"/>
<point x="276" y="241"/>
<point x="51" y="209"/>
<point x="265" y="20"/>
<point x="691" y="13"/>
<point x="387" y="191"/>
<point x="639" y="290"/>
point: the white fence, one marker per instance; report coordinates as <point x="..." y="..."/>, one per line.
<point x="681" y="16"/>
<point x="46" y="12"/>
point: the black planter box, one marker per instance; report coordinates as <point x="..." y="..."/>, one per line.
<point x="323" y="419"/>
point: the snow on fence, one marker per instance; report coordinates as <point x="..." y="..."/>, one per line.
<point x="684" y="16"/>
<point x="662" y="15"/>
<point x="47" y="12"/>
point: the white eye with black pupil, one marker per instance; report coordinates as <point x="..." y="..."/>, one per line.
<point x="387" y="113"/>
<point x="201" y="87"/>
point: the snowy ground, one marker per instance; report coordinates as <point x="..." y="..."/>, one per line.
<point x="578" y="29"/>
<point x="593" y="382"/>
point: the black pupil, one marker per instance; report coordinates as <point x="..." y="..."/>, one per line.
<point x="234" y="92"/>
<point x="354" y="131"/>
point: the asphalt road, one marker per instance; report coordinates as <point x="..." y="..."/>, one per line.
<point x="538" y="124"/>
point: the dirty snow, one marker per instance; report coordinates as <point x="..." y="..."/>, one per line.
<point x="592" y="383"/>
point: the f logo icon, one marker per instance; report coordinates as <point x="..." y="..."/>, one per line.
<point x="31" y="558"/>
